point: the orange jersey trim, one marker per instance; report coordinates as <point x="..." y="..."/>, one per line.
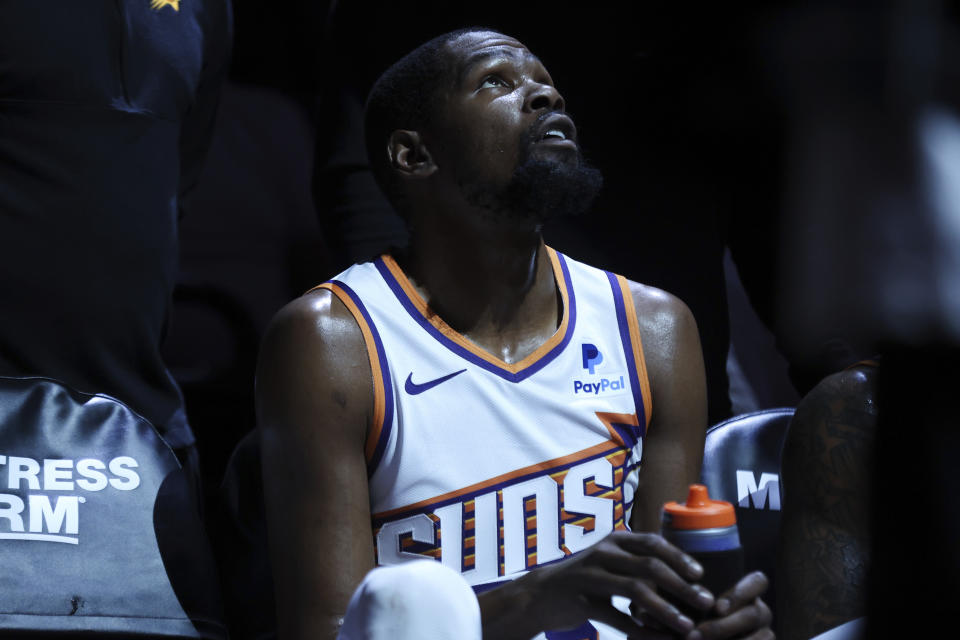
<point x="379" y="394"/>
<point x="430" y="316"/>
<point x="623" y="418"/>
<point x="634" y="325"/>
<point x="590" y="452"/>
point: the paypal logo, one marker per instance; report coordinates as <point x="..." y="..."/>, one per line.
<point x="611" y="384"/>
<point x="605" y="384"/>
<point x="591" y="357"/>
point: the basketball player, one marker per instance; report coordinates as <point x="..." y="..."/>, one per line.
<point x="480" y="399"/>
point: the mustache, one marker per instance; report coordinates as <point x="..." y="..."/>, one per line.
<point x="532" y="134"/>
<point x="533" y="131"/>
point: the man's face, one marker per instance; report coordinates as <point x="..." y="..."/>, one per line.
<point x="504" y="137"/>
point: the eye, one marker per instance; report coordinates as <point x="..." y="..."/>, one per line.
<point x="493" y="81"/>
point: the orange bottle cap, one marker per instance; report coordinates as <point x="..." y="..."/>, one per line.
<point x="700" y="512"/>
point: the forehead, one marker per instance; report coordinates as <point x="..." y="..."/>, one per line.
<point x="474" y="48"/>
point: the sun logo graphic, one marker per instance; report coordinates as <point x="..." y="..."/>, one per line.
<point x="160" y="4"/>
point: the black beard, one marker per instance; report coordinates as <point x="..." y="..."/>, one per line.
<point x="540" y="189"/>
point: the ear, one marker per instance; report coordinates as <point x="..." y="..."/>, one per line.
<point x="409" y="154"/>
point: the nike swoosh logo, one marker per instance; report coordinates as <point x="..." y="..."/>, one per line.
<point x="413" y="388"/>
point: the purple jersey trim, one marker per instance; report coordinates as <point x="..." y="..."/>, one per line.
<point x="618" y="303"/>
<point x="387" y="380"/>
<point x="583" y="632"/>
<point x="519" y="376"/>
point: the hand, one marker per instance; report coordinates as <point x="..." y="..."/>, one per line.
<point x="634" y="565"/>
<point x="739" y="613"/>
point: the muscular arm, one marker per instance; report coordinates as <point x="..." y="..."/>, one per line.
<point x="314" y="400"/>
<point x="673" y="448"/>
<point x="824" y="538"/>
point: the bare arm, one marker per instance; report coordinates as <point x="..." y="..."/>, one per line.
<point x="673" y="448"/>
<point x="824" y="538"/>
<point x="314" y="402"/>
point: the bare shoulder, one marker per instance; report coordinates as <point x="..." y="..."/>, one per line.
<point x="673" y="446"/>
<point x="666" y="323"/>
<point x="830" y="438"/>
<point x="655" y="300"/>
<point x="318" y="317"/>
<point x="313" y="332"/>
<point x="314" y="396"/>
<point x="313" y="358"/>
<point x="844" y="398"/>
<point x="857" y="382"/>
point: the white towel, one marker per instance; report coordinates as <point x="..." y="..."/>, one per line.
<point x="419" y="600"/>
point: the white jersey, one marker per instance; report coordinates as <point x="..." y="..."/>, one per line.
<point x="495" y="468"/>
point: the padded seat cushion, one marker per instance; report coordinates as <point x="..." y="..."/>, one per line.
<point x="99" y="526"/>
<point x="741" y="464"/>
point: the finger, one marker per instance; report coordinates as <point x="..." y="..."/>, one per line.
<point x="651" y="544"/>
<point x="644" y="598"/>
<point x="752" y="618"/>
<point x="649" y="622"/>
<point x="659" y="573"/>
<point x="748" y="589"/>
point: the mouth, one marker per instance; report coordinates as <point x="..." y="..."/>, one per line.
<point x="557" y="129"/>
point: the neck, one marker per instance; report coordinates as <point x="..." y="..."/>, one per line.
<point x="492" y="284"/>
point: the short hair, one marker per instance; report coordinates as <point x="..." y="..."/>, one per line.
<point x="405" y="97"/>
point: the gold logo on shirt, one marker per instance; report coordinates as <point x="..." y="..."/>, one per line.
<point x="160" y="4"/>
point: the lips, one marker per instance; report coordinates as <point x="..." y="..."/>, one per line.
<point x="556" y="128"/>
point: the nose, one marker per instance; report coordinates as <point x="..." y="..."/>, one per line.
<point x="543" y="97"/>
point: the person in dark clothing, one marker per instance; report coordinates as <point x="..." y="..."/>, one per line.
<point x="105" y="116"/>
<point x="106" y="110"/>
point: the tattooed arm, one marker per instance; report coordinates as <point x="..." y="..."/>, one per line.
<point x="825" y="474"/>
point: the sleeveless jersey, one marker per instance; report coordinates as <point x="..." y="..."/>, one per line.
<point x="495" y="468"/>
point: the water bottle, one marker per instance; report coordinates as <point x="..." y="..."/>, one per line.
<point x="707" y="530"/>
